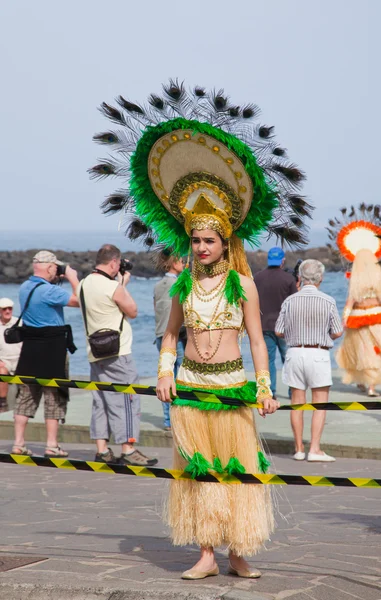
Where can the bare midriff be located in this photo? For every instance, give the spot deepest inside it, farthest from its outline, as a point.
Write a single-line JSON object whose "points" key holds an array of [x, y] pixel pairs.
{"points": [[207, 341], [366, 303]]}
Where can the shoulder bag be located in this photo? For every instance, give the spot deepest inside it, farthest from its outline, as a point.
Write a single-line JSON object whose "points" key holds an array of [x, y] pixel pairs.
{"points": [[15, 334], [103, 342]]}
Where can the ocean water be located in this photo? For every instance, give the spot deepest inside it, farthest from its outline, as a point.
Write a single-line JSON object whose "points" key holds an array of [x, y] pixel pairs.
{"points": [[143, 348]]}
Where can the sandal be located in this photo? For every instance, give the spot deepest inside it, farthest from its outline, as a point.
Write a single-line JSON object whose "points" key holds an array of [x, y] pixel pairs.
{"points": [[373, 394], [56, 452], [21, 451]]}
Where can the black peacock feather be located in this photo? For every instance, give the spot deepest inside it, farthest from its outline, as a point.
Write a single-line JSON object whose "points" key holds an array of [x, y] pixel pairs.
{"points": [[216, 109]]}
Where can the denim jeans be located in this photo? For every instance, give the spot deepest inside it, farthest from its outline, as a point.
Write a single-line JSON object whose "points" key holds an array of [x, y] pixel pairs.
{"points": [[179, 360], [273, 343]]}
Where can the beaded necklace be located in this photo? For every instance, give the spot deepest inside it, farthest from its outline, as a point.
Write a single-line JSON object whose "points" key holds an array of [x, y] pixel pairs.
{"points": [[208, 296]]}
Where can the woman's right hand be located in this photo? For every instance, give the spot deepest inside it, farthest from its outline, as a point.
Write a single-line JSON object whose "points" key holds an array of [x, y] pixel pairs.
{"points": [[165, 386]]}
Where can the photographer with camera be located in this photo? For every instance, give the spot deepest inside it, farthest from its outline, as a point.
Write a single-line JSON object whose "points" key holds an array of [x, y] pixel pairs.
{"points": [[46, 340], [105, 304]]}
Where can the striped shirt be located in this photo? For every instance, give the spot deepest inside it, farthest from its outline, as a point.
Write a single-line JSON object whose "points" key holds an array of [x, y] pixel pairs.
{"points": [[308, 317]]}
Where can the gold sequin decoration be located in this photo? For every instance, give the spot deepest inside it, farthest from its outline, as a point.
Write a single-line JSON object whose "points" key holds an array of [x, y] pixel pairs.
{"points": [[174, 138], [194, 181]]}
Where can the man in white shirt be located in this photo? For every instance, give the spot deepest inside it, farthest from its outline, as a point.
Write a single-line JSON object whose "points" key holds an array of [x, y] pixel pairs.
{"points": [[309, 322], [106, 303], [9, 353]]}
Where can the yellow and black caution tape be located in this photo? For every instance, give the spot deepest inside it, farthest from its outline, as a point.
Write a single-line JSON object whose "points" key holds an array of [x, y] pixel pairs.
{"points": [[159, 473], [195, 395]]}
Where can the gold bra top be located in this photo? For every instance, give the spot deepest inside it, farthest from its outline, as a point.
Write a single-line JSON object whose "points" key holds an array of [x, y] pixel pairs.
{"points": [[212, 314]]}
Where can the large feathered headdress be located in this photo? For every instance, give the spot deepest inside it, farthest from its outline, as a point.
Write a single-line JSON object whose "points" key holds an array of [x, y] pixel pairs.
{"points": [[194, 160], [357, 229]]}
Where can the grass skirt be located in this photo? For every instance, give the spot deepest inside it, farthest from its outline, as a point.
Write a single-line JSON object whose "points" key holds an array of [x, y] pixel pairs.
{"points": [[213, 514], [360, 355]]}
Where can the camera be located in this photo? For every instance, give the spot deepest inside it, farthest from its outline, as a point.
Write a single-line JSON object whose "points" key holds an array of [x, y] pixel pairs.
{"points": [[296, 269], [61, 270], [125, 266]]}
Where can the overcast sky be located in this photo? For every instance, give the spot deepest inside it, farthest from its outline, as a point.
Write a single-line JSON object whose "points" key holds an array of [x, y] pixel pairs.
{"points": [[312, 66]]}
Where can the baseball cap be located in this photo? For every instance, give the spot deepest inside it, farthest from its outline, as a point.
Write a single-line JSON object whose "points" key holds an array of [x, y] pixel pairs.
{"points": [[45, 256], [6, 303], [275, 256]]}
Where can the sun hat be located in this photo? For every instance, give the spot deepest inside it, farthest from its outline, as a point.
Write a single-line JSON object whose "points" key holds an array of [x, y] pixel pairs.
{"points": [[6, 303]]}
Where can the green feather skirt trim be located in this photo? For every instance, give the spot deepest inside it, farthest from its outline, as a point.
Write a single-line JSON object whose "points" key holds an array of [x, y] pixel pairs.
{"points": [[199, 466], [246, 392]]}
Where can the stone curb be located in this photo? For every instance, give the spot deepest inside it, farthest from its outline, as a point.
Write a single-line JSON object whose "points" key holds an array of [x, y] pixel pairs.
{"points": [[79, 434], [26, 591]]}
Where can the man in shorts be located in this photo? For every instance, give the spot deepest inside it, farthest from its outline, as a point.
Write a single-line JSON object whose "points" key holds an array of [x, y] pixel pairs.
{"points": [[44, 349], [9, 353], [309, 322]]}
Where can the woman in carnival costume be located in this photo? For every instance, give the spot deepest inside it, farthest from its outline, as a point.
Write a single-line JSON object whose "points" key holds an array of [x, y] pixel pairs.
{"points": [[202, 179], [358, 240]]}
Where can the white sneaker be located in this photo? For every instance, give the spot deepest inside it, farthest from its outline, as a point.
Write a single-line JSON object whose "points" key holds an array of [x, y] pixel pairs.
{"points": [[320, 457], [299, 456]]}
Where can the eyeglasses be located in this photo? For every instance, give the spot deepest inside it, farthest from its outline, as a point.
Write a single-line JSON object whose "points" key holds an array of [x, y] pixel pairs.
{"points": [[7, 308]]}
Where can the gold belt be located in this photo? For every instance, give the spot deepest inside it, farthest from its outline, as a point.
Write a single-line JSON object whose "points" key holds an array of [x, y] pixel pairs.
{"points": [[228, 366]]}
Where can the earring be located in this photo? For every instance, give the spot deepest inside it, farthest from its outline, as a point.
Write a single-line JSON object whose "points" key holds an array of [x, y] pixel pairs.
{"points": [[188, 257]]}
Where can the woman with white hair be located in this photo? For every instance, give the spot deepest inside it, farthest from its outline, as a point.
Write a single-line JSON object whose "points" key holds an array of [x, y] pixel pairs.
{"points": [[309, 322]]}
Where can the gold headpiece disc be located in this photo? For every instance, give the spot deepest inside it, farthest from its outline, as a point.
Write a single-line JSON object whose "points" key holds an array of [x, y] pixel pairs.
{"points": [[200, 181]]}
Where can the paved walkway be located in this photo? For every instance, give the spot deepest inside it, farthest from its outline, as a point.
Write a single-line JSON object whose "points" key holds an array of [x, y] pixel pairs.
{"points": [[104, 539], [347, 434]]}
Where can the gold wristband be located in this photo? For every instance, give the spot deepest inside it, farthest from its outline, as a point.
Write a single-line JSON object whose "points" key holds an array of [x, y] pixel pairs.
{"points": [[346, 312], [167, 361], [263, 385], [170, 350]]}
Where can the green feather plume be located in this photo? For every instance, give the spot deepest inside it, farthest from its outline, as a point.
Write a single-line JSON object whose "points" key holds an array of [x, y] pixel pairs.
{"points": [[234, 466], [183, 286], [263, 463], [198, 466], [234, 291], [152, 212]]}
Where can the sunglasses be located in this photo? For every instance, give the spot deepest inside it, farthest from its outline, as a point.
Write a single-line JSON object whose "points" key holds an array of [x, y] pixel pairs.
{"points": [[8, 308]]}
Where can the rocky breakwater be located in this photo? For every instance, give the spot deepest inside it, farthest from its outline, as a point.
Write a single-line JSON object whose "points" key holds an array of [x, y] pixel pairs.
{"points": [[16, 266]]}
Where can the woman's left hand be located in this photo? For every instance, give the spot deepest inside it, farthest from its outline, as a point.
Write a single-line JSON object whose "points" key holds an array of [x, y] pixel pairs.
{"points": [[269, 407]]}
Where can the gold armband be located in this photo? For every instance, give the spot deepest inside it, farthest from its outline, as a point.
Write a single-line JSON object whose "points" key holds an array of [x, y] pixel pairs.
{"points": [[167, 361], [263, 385]]}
